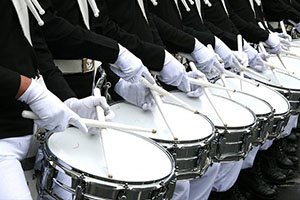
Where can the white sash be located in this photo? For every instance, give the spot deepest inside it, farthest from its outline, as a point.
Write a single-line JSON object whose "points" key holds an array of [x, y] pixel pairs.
{"points": [[198, 5], [22, 12], [141, 4], [83, 5], [176, 3], [224, 5], [252, 6]]}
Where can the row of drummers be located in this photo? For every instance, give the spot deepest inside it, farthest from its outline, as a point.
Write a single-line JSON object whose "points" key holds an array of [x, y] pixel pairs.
{"points": [[238, 115]]}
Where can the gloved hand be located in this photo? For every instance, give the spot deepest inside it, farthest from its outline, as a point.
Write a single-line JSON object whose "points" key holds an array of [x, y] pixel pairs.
{"points": [[254, 58], [131, 67], [135, 93], [173, 73], [196, 90], [242, 58], [284, 36], [54, 115], [225, 53], [274, 45], [205, 58], [297, 27], [86, 108]]}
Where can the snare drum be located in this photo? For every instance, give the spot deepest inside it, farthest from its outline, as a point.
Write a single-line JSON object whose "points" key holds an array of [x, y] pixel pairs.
{"points": [[233, 142], [140, 168], [278, 102], [290, 87], [194, 132], [263, 111]]}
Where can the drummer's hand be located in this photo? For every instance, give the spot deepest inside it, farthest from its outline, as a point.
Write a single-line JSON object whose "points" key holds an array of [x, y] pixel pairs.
{"points": [[273, 44], [205, 58], [54, 115], [196, 90], [135, 93], [173, 73], [284, 36], [131, 67], [86, 108], [225, 53], [254, 58]]}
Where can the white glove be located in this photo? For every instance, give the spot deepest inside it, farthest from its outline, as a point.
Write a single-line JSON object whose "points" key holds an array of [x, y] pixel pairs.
{"points": [[284, 36], [254, 58], [196, 90], [241, 57], [135, 93], [173, 73], [131, 67], [297, 27], [54, 115], [205, 59], [225, 53], [86, 108], [274, 45]]}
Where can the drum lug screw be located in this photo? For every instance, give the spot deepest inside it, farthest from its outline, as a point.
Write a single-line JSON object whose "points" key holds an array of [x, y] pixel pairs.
{"points": [[123, 197]]}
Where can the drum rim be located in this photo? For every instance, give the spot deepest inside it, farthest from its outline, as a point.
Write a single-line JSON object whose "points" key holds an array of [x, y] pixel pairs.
{"points": [[229, 127], [276, 86], [60, 162], [273, 90], [212, 135]]}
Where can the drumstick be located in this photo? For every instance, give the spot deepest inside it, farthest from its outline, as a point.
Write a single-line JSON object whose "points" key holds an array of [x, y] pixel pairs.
{"points": [[272, 69], [159, 104], [95, 123], [164, 92], [207, 94], [291, 53], [277, 68], [101, 118], [224, 81], [240, 51], [207, 84], [241, 78]]}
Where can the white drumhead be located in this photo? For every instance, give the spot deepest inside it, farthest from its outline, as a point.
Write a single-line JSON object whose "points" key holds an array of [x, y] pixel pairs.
{"points": [[129, 158], [258, 106], [233, 114], [277, 101], [185, 124], [286, 80]]}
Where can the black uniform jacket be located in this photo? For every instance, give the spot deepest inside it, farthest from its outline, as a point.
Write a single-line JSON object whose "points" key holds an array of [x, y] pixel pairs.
{"points": [[277, 10], [17, 57], [217, 15], [192, 19], [152, 55], [294, 3], [169, 12], [129, 16], [243, 9]]}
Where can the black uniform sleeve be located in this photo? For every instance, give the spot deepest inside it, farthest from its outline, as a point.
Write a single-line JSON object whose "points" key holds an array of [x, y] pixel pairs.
{"points": [[174, 39], [53, 77], [204, 37], [276, 10], [67, 41], [9, 83], [251, 32], [152, 55]]}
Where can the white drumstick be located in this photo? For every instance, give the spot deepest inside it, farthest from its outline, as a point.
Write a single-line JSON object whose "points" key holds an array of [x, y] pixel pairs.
{"points": [[160, 105], [34, 12], [207, 84], [164, 92], [272, 66], [95, 123], [224, 81], [240, 51], [101, 118], [208, 96], [291, 53], [94, 7], [241, 78]]}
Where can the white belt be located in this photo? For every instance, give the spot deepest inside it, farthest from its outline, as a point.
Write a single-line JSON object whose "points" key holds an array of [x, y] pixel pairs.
{"points": [[76, 66]]}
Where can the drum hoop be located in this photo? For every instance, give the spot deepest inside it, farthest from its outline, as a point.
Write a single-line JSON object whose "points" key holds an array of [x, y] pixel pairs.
{"points": [[77, 171], [238, 127], [179, 141], [276, 86], [270, 88]]}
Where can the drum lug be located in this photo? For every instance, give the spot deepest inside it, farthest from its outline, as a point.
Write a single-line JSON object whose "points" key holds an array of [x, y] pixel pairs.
{"points": [[41, 135], [80, 188]]}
